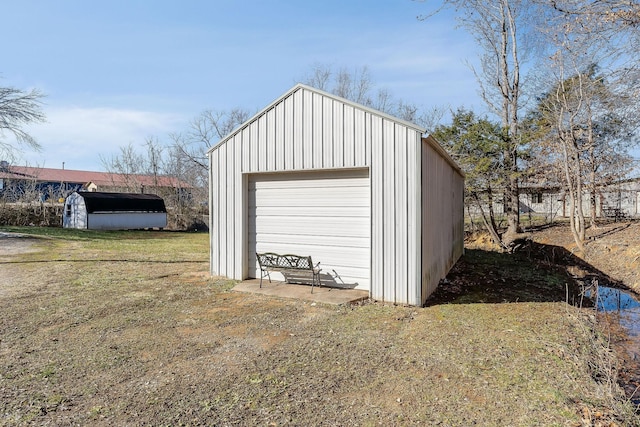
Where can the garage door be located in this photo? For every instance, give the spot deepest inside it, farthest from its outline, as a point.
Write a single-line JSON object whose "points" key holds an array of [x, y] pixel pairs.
{"points": [[323, 214]]}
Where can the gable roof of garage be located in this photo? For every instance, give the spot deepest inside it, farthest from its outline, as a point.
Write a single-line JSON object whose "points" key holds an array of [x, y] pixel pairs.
{"points": [[300, 86]]}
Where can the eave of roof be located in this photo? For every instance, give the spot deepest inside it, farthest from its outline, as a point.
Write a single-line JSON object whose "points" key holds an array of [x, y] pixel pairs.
{"points": [[436, 146]]}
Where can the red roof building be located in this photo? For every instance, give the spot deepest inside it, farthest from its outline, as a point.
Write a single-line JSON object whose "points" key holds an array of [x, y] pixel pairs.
{"points": [[49, 182], [99, 179]]}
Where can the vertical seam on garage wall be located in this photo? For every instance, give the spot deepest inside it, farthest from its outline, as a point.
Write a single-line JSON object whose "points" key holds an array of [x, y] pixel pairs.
{"points": [[210, 192], [377, 212], [283, 133], [243, 218], [218, 219], [278, 136], [244, 210], [231, 202], [268, 143], [223, 210], [342, 160], [297, 132], [408, 236], [354, 139], [367, 139], [371, 204]]}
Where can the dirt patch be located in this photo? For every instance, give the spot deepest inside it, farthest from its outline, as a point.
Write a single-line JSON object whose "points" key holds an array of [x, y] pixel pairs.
{"points": [[116, 329], [14, 244], [612, 248]]}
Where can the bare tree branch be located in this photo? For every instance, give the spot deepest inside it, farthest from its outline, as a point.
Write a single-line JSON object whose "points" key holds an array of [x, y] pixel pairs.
{"points": [[496, 26], [17, 110]]}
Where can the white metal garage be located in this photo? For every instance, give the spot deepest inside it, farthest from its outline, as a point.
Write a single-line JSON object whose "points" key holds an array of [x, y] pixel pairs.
{"points": [[362, 192], [322, 214]]}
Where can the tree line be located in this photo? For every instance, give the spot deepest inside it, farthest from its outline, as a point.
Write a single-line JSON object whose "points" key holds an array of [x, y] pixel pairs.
{"points": [[562, 79]]}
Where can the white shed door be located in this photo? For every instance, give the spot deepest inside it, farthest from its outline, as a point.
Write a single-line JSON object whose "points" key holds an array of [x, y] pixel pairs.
{"points": [[322, 214]]}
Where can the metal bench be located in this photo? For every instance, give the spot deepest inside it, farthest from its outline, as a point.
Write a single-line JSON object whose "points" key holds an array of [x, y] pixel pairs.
{"points": [[270, 261]]}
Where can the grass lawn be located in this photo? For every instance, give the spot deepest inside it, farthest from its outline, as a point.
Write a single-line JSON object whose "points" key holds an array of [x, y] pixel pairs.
{"points": [[126, 328]]}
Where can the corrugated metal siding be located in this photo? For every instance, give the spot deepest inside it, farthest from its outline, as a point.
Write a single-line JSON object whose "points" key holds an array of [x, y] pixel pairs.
{"points": [[442, 218], [309, 130], [396, 226], [305, 131], [126, 220]]}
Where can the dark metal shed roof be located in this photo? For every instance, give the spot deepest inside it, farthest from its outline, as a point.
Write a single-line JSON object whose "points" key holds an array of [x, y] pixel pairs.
{"points": [[122, 202]]}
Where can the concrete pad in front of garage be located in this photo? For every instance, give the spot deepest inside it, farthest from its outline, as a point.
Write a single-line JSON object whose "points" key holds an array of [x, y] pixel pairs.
{"points": [[321, 294]]}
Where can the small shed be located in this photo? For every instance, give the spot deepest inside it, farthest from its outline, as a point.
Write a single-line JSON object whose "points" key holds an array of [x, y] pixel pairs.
{"points": [[365, 194], [113, 211]]}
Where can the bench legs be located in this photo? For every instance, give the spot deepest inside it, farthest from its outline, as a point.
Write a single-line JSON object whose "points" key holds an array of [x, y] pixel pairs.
{"points": [[264, 273], [315, 277], [315, 280]]}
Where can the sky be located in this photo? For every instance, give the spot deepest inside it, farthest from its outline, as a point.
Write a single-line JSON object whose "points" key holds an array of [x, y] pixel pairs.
{"points": [[121, 71]]}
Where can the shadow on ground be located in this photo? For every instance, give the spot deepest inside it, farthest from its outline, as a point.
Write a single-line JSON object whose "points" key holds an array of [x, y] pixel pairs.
{"points": [[535, 273]]}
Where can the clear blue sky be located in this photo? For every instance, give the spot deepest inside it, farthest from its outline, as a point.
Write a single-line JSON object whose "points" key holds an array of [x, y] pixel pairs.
{"points": [[116, 72]]}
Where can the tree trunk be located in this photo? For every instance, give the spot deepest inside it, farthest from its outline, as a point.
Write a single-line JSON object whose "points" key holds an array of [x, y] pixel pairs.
{"points": [[592, 169], [578, 211], [489, 223], [492, 214], [576, 217], [510, 88], [593, 198]]}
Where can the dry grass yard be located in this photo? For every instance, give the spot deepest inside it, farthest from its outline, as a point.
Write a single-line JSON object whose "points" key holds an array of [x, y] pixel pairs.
{"points": [[126, 329]]}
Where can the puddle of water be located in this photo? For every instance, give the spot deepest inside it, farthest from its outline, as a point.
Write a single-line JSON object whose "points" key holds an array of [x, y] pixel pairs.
{"points": [[622, 312], [624, 305], [611, 299]]}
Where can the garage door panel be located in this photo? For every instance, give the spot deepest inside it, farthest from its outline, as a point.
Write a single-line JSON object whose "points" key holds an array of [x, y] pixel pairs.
{"points": [[311, 241], [317, 179], [284, 199], [310, 185], [344, 264], [322, 214], [322, 211], [310, 226]]}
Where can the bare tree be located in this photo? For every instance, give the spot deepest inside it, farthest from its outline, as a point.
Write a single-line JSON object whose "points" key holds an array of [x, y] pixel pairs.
{"points": [[126, 165], [588, 108], [154, 164], [179, 166], [18, 109], [500, 28], [383, 101], [355, 85], [173, 177], [205, 131], [319, 77], [358, 86], [184, 160], [601, 15], [575, 127]]}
